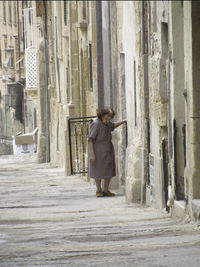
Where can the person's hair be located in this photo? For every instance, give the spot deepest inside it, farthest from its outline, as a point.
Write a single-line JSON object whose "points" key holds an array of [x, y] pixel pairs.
{"points": [[105, 111]]}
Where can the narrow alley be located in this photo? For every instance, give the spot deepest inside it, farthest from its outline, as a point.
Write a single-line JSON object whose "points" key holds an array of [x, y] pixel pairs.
{"points": [[48, 219]]}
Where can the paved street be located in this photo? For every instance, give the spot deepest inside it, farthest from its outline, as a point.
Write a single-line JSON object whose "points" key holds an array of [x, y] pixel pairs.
{"points": [[47, 219]]}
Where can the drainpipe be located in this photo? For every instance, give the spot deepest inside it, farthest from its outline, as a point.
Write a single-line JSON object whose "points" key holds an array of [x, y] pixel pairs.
{"points": [[46, 81], [146, 138]]}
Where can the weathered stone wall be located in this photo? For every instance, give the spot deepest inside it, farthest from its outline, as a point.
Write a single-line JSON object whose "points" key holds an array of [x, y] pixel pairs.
{"points": [[177, 100], [191, 67], [158, 97], [70, 94], [126, 99]]}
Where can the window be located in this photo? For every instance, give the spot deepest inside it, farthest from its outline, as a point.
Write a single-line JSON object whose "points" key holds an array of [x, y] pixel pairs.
{"points": [[26, 116], [25, 4], [30, 17], [16, 48], [135, 93], [28, 27], [10, 13], [35, 119], [0, 60], [68, 86], [15, 13], [0, 55], [84, 9], [11, 41], [65, 12], [9, 61], [5, 41], [22, 65], [57, 145], [4, 12], [57, 60], [90, 59], [123, 84], [25, 39]]}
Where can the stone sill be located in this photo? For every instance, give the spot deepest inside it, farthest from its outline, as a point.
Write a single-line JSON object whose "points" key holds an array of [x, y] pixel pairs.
{"points": [[82, 25]]}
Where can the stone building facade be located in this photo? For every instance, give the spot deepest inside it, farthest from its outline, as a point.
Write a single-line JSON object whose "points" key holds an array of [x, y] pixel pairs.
{"points": [[150, 76], [141, 59], [16, 107], [11, 93], [66, 73]]}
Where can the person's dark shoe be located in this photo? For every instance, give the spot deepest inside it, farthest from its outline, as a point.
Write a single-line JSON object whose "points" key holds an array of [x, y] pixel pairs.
{"points": [[108, 194]]}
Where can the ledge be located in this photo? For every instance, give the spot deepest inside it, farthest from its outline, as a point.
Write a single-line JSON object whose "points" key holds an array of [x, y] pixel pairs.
{"points": [[82, 25]]}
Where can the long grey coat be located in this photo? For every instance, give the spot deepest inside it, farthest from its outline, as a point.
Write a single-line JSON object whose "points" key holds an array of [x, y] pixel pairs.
{"points": [[104, 166]]}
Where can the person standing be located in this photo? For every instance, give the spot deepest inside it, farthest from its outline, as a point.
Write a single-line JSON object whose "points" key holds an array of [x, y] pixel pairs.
{"points": [[101, 155]]}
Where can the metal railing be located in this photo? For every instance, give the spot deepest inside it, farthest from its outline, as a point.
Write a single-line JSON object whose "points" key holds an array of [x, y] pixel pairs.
{"points": [[78, 145], [78, 129]]}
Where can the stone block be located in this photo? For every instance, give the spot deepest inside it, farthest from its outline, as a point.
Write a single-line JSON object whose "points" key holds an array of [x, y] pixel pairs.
{"points": [[194, 130], [195, 155], [196, 209], [179, 209], [156, 193], [133, 189], [134, 163], [114, 183], [42, 149]]}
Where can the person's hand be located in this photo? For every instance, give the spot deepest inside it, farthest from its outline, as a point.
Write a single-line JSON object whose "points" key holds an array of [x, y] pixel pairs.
{"points": [[124, 121], [92, 158]]}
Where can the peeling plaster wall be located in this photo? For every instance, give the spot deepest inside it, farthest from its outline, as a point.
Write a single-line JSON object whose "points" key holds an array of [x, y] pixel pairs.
{"points": [[129, 46]]}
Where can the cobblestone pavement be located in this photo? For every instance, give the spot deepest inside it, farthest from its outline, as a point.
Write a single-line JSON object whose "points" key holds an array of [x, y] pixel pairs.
{"points": [[47, 219]]}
